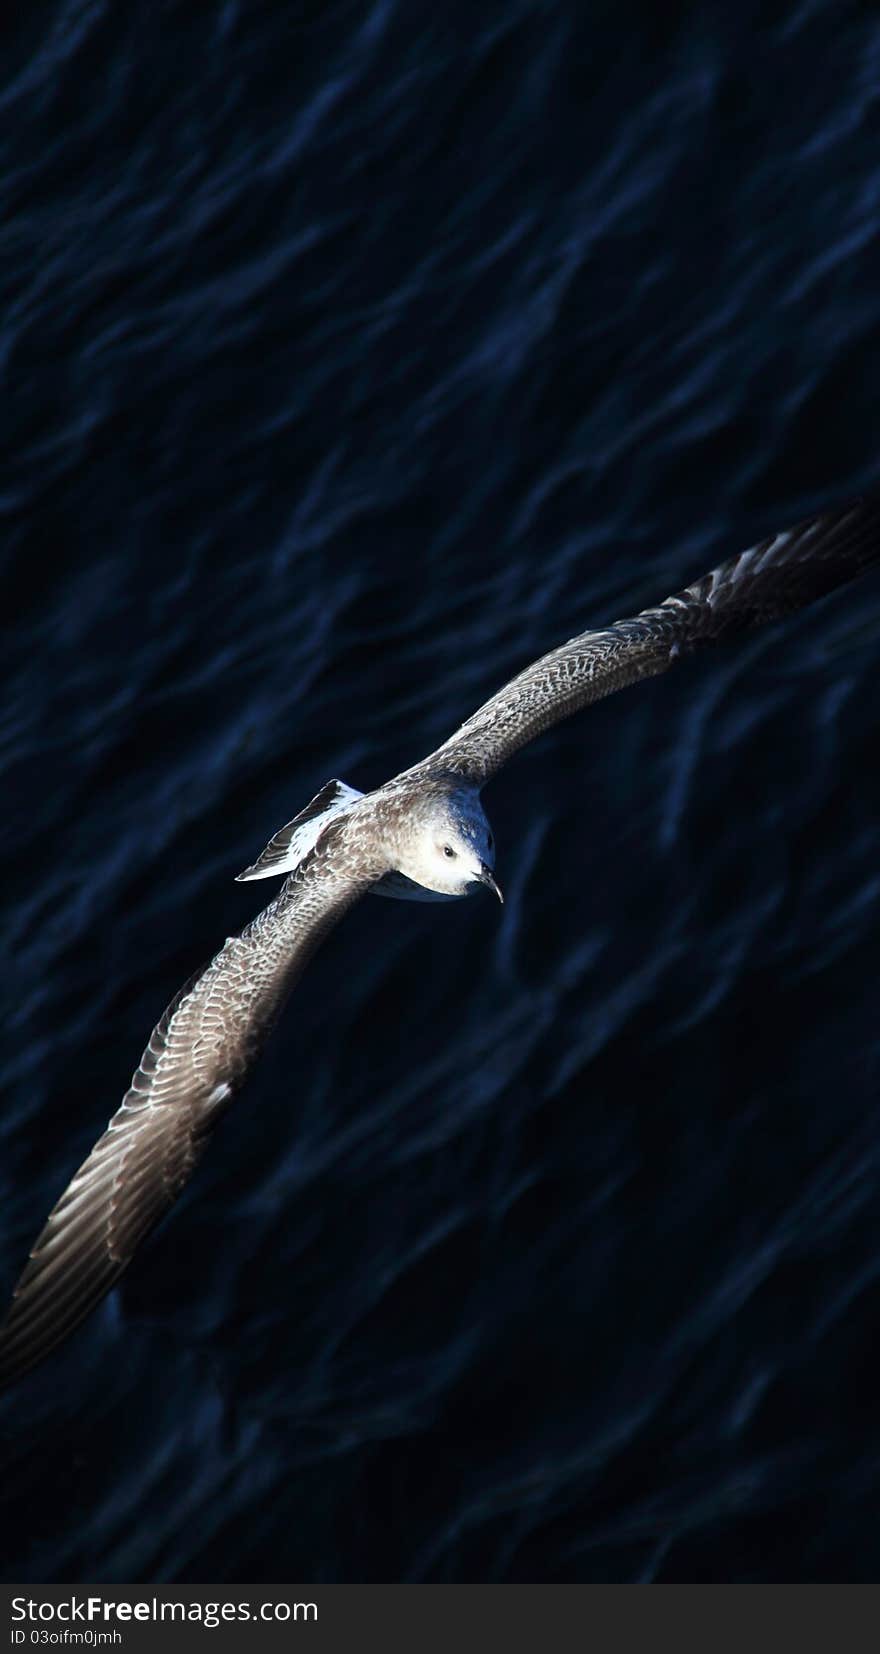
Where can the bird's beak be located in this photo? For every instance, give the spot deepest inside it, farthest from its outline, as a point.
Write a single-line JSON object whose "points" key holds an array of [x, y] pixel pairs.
{"points": [[487, 877]]}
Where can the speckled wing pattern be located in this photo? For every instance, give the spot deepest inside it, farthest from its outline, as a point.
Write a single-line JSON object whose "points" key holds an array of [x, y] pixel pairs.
{"points": [[764, 583], [197, 1058]]}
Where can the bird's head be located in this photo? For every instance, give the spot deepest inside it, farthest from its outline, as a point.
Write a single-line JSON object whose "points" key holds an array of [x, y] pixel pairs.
{"points": [[448, 846]]}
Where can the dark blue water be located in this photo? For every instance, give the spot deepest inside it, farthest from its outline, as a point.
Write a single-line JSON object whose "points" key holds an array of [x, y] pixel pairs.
{"points": [[353, 354]]}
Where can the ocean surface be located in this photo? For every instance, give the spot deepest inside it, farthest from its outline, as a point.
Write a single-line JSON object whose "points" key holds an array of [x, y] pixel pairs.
{"points": [[353, 354]]}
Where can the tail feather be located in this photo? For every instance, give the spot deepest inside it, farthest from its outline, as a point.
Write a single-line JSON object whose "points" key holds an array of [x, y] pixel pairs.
{"points": [[292, 842]]}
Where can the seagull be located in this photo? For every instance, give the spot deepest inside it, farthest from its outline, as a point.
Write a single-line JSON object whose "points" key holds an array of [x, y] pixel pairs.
{"points": [[423, 835]]}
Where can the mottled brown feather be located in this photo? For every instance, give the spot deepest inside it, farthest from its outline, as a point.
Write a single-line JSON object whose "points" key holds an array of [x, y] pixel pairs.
{"points": [[771, 579], [207, 1039]]}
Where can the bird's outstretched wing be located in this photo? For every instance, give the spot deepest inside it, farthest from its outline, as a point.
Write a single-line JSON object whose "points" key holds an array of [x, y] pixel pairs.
{"points": [[767, 581], [197, 1058]]}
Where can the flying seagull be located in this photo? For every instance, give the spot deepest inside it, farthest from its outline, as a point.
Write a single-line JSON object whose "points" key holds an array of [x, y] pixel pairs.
{"points": [[422, 835]]}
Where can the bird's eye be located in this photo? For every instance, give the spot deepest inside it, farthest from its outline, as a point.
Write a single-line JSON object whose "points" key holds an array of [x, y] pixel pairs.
{"points": [[448, 850]]}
